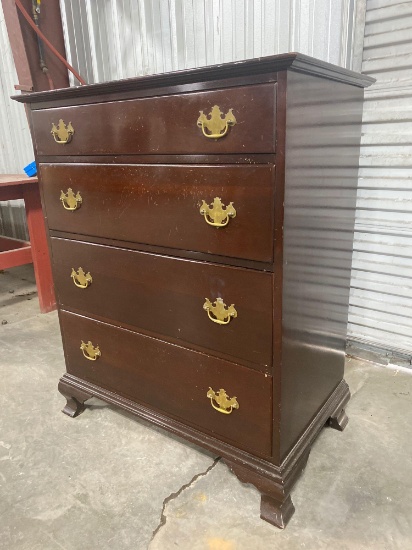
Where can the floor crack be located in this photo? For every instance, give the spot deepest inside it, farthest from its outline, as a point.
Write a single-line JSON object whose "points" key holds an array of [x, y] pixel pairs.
{"points": [[172, 496]]}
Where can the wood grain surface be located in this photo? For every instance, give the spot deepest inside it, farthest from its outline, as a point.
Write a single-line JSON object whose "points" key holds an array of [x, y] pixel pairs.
{"points": [[160, 205], [174, 380], [162, 125], [165, 296]]}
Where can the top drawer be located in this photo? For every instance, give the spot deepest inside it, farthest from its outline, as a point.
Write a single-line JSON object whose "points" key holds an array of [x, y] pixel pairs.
{"points": [[170, 124]]}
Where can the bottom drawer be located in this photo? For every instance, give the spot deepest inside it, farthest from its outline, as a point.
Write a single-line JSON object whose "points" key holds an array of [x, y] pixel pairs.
{"points": [[174, 380]]}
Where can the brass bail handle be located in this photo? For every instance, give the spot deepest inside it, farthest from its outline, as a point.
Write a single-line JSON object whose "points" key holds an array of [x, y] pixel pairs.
{"points": [[62, 133], [215, 125], [218, 312], [80, 278], [70, 201], [216, 214], [221, 402], [89, 351]]}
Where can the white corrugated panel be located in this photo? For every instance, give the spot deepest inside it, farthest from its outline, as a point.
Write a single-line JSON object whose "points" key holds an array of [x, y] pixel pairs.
{"points": [[16, 149], [381, 296], [114, 39]]}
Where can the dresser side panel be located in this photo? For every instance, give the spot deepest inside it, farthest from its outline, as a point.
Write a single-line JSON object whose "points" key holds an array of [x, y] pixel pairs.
{"points": [[323, 128]]}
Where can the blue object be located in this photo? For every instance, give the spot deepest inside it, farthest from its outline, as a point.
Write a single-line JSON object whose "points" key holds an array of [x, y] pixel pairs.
{"points": [[31, 169]]}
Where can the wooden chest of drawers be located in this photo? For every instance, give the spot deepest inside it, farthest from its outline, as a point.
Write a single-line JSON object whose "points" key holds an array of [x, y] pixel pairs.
{"points": [[201, 228]]}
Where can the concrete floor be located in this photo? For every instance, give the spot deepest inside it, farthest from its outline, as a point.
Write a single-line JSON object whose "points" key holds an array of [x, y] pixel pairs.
{"points": [[105, 480]]}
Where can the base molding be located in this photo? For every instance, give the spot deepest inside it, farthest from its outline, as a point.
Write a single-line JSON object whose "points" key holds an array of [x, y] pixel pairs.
{"points": [[274, 482]]}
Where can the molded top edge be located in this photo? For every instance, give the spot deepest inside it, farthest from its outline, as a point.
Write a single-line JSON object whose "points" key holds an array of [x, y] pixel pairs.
{"points": [[292, 61]]}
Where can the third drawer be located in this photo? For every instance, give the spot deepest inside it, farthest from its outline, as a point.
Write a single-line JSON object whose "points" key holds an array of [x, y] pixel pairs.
{"points": [[167, 297]]}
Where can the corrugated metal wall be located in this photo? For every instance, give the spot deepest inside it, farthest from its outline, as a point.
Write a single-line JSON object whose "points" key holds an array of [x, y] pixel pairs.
{"points": [[113, 39], [381, 298], [16, 150]]}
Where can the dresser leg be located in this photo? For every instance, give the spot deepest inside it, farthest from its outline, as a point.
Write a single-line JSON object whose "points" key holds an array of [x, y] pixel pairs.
{"points": [[275, 512], [75, 399], [276, 507], [339, 420]]}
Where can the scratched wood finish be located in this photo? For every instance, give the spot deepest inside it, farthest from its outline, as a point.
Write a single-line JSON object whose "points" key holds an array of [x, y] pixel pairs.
{"points": [[292, 338], [173, 379], [166, 296], [164, 204], [237, 73], [161, 125]]}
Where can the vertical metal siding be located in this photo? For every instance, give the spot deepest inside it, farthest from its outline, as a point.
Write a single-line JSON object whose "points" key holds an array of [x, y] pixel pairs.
{"points": [[125, 38], [113, 39], [381, 296], [16, 149]]}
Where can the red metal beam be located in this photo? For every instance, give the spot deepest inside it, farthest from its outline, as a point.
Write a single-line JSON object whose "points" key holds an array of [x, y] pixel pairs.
{"points": [[8, 243], [25, 48], [12, 185], [14, 258], [38, 240]]}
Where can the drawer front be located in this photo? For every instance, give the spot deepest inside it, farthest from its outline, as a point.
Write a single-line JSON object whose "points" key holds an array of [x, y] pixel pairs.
{"points": [[173, 380], [163, 125], [161, 205], [166, 296]]}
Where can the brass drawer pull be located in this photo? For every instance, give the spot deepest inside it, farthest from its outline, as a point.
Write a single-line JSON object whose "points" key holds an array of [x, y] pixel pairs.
{"points": [[224, 404], [216, 214], [62, 134], [71, 201], [216, 125], [80, 278], [89, 351], [219, 313]]}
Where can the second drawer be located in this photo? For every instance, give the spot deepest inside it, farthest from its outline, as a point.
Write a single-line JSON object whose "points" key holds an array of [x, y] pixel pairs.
{"points": [[160, 205], [179, 299]]}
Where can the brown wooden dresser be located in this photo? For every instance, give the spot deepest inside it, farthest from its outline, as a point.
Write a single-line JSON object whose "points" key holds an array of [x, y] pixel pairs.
{"points": [[200, 225]]}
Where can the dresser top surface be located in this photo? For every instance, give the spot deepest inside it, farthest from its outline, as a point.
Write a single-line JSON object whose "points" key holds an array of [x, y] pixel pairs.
{"points": [[238, 69]]}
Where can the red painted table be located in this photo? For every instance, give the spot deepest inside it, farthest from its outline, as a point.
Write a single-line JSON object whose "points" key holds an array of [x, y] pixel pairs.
{"points": [[14, 252]]}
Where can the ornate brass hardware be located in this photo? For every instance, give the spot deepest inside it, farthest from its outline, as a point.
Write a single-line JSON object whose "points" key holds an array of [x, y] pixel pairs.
{"points": [[219, 313], [62, 134], [71, 201], [216, 214], [89, 351], [224, 404], [80, 278], [215, 123]]}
